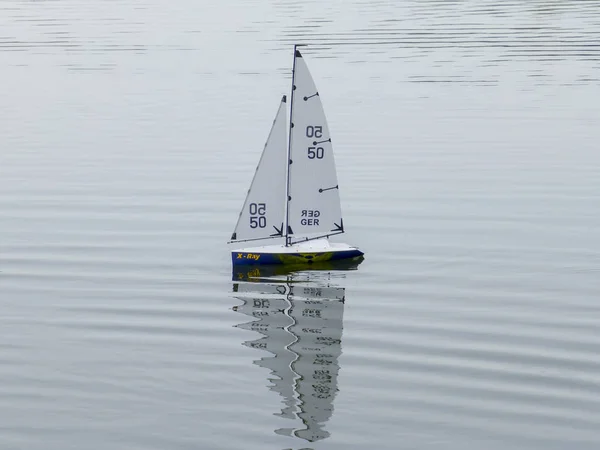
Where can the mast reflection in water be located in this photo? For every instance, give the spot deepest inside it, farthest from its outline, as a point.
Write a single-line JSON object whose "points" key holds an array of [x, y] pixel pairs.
{"points": [[301, 327]]}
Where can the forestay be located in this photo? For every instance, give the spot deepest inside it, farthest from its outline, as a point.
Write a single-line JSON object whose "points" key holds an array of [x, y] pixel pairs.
{"points": [[264, 209], [314, 203]]}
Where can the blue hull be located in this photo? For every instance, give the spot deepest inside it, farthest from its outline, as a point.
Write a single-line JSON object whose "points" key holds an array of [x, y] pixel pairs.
{"points": [[258, 258], [258, 272]]}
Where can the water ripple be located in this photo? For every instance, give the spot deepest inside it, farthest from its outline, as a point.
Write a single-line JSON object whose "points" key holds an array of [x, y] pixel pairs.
{"points": [[466, 141]]}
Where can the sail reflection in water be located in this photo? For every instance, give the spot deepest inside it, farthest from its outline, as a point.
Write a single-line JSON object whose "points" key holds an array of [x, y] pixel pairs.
{"points": [[302, 329]]}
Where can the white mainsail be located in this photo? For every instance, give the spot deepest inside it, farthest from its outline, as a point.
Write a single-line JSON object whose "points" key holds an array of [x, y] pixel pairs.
{"points": [[262, 215], [314, 200]]}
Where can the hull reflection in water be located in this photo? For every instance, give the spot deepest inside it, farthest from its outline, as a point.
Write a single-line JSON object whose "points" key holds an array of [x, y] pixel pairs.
{"points": [[301, 327], [291, 272]]}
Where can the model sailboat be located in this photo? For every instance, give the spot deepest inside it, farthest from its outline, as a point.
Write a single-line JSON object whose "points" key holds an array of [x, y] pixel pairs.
{"points": [[294, 194]]}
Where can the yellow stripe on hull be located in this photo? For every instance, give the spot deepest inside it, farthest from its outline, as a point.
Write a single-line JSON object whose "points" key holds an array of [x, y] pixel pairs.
{"points": [[299, 258]]}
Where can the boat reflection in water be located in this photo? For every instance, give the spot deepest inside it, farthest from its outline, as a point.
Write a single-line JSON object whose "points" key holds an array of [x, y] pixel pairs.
{"points": [[312, 273], [300, 318]]}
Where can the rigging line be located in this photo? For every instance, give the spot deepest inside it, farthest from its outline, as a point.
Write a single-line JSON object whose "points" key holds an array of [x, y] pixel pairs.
{"points": [[254, 239], [289, 151], [319, 237]]}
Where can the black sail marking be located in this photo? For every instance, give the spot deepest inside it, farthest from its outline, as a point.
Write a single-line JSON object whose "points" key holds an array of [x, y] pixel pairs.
{"points": [[311, 96], [279, 231], [328, 189], [320, 142], [339, 227]]}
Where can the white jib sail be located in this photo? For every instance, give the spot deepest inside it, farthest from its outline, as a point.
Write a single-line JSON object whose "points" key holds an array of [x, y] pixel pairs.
{"points": [[314, 208], [264, 208]]}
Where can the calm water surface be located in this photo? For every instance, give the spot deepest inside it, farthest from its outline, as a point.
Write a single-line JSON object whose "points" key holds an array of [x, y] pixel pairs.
{"points": [[466, 138]]}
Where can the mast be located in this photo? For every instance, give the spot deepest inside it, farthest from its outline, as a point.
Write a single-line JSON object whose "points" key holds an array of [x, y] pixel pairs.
{"points": [[288, 240]]}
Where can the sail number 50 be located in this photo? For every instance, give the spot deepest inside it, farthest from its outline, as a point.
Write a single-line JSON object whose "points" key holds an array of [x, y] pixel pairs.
{"points": [[314, 131], [316, 152], [257, 215]]}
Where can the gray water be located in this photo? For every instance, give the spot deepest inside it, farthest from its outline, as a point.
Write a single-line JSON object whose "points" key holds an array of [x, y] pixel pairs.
{"points": [[466, 138]]}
